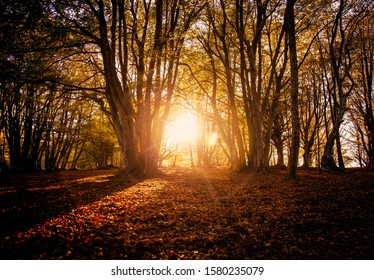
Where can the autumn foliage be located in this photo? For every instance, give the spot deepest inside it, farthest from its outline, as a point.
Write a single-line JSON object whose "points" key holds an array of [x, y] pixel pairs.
{"points": [[188, 213]]}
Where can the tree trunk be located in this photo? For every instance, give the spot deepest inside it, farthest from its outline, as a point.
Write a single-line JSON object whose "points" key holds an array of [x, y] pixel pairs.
{"points": [[238, 151], [295, 138], [328, 162], [341, 64], [339, 152]]}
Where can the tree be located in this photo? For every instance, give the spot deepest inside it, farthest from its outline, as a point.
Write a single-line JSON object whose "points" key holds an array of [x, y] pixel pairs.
{"points": [[251, 75], [99, 142], [289, 20], [362, 98], [235, 63], [340, 46], [310, 111], [220, 55], [28, 71], [140, 45]]}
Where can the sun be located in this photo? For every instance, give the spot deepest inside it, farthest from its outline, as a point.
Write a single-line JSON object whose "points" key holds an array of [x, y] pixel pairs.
{"points": [[183, 129]]}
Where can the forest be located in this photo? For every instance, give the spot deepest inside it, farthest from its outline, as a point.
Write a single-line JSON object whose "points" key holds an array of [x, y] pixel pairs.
{"points": [[92, 85], [105, 104]]}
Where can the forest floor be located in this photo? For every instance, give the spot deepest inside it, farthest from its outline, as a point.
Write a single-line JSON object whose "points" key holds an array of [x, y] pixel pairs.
{"points": [[188, 213]]}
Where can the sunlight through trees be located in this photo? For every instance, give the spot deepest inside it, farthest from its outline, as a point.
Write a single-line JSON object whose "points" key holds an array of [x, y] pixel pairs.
{"points": [[145, 84]]}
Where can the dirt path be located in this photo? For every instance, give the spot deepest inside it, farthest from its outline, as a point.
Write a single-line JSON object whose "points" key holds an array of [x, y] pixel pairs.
{"points": [[187, 214]]}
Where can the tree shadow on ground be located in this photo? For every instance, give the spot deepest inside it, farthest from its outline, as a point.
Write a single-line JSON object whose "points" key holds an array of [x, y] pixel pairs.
{"points": [[196, 214], [32, 198]]}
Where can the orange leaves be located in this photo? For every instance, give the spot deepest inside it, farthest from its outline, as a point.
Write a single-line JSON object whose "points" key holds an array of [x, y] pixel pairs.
{"points": [[208, 215]]}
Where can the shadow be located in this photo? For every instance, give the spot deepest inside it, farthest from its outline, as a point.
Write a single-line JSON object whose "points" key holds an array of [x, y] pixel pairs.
{"points": [[190, 214], [32, 198]]}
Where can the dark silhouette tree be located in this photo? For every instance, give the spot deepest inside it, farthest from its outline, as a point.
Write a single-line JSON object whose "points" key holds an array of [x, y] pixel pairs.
{"points": [[289, 21]]}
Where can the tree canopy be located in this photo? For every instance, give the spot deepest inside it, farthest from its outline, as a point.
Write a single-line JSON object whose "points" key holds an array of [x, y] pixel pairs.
{"points": [[92, 84]]}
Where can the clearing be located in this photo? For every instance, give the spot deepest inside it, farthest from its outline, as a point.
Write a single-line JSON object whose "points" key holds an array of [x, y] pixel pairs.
{"points": [[188, 213]]}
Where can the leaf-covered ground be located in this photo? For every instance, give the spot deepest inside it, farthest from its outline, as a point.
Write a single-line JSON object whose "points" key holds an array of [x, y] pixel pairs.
{"points": [[187, 214]]}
